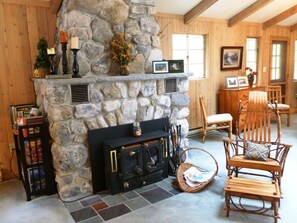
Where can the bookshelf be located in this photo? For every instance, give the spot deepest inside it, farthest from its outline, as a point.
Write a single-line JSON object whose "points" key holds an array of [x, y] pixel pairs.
{"points": [[34, 157]]}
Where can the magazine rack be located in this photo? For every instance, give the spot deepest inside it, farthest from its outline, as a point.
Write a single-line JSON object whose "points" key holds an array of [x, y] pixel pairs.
{"points": [[189, 158], [34, 158]]}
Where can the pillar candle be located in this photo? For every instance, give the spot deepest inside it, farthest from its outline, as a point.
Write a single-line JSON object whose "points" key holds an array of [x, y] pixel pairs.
{"points": [[51, 51], [74, 43], [63, 37]]}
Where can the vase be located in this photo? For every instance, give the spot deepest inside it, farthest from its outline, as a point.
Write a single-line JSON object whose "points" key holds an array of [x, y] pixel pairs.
{"points": [[124, 71], [251, 81]]}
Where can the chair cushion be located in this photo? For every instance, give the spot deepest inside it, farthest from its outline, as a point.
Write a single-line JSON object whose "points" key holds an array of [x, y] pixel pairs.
{"points": [[255, 151], [219, 118]]}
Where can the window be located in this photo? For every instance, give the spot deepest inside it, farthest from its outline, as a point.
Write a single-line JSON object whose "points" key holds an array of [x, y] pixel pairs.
{"points": [[191, 49], [252, 53], [295, 61], [276, 61]]}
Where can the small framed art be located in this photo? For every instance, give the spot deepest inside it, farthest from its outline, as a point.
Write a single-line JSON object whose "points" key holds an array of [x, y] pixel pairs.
{"points": [[231, 82], [231, 57], [176, 66], [242, 81], [160, 67]]}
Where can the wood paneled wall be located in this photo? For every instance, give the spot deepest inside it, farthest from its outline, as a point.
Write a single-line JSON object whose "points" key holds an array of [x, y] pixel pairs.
{"points": [[218, 34], [22, 23]]}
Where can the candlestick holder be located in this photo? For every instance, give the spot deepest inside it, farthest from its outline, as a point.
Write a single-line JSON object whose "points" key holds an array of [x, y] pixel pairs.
{"points": [[52, 64], [64, 58], [75, 66]]}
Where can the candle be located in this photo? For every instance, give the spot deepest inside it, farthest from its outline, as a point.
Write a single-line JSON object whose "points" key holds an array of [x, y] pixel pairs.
{"points": [[51, 51], [63, 37], [74, 43]]}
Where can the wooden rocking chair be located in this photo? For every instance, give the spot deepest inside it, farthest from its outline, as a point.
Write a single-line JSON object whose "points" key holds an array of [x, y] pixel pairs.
{"points": [[257, 113]]}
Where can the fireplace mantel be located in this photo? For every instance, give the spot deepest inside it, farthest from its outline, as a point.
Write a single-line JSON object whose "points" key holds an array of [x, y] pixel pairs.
{"points": [[107, 78]]}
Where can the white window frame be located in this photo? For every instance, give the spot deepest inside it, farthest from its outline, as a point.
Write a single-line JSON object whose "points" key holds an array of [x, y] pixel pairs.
{"points": [[251, 49], [187, 59]]}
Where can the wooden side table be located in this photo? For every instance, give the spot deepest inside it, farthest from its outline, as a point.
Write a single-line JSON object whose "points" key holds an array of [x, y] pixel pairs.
{"points": [[265, 191]]}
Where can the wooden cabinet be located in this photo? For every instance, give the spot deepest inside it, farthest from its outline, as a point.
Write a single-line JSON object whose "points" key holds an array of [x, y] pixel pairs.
{"points": [[229, 101]]}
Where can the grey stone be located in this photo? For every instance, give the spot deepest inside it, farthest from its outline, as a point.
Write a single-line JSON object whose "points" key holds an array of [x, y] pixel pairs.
{"points": [[143, 102], [69, 157], [164, 101], [156, 41], [57, 95], [87, 6], [154, 54], [143, 40], [86, 110], [79, 131], [129, 109], [182, 85], [115, 90], [77, 19], [111, 119], [158, 112], [148, 24], [92, 50], [144, 2], [91, 123], [95, 96], [101, 122], [102, 31], [133, 89], [183, 113], [138, 10], [115, 11], [184, 127], [101, 65], [151, 10], [180, 99], [132, 27], [60, 131], [60, 113], [111, 105], [161, 87], [148, 88], [137, 66], [145, 113]]}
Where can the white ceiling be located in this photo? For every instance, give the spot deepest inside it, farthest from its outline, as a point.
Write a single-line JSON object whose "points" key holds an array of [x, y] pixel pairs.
{"points": [[226, 9]]}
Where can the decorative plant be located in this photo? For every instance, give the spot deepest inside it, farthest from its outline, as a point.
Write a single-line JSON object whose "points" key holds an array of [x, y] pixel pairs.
{"points": [[122, 50], [42, 60], [250, 73]]}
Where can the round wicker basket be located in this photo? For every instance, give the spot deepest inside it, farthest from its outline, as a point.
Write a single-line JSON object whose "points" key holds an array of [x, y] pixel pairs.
{"points": [[185, 166]]}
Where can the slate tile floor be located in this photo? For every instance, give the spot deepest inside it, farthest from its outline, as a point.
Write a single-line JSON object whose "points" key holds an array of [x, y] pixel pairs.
{"points": [[103, 206]]}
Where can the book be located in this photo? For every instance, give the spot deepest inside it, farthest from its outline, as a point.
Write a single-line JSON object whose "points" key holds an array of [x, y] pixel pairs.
{"points": [[33, 151], [36, 177]]}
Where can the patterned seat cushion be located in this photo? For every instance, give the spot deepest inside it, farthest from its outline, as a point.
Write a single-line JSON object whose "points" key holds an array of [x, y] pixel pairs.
{"points": [[256, 151]]}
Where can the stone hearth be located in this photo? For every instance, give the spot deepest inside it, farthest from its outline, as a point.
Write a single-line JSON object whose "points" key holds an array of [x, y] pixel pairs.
{"points": [[110, 101]]}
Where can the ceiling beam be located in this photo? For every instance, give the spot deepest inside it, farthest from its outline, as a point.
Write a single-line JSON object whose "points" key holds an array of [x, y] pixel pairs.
{"points": [[280, 17], [293, 27], [197, 10], [40, 3], [55, 6], [247, 11]]}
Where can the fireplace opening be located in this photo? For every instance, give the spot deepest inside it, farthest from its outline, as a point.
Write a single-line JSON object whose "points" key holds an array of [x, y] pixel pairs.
{"points": [[122, 162]]}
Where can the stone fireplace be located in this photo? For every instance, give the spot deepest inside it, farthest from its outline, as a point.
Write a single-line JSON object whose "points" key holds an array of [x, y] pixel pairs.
{"points": [[101, 99]]}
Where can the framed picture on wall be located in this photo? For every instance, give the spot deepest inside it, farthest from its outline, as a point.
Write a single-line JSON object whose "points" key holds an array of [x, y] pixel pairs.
{"points": [[231, 82], [231, 57], [160, 67], [242, 81]]}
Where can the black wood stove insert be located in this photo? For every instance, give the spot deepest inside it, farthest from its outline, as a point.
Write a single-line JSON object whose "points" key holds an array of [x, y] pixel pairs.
{"points": [[132, 162], [121, 162]]}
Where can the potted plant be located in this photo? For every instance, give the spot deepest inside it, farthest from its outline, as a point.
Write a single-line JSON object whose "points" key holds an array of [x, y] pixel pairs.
{"points": [[42, 62]]}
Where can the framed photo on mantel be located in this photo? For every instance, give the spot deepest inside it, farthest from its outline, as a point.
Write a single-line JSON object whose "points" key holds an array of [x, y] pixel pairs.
{"points": [[176, 66]]}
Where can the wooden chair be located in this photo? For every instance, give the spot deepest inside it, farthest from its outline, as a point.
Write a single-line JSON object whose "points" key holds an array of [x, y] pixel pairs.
{"points": [[214, 122], [257, 113], [274, 94]]}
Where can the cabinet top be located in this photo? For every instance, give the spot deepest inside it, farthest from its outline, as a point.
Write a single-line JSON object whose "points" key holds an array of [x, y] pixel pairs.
{"points": [[244, 88]]}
